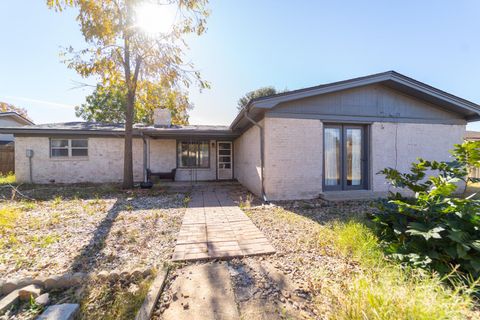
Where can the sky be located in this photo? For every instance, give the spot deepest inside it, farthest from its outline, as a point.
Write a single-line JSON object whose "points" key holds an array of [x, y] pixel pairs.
{"points": [[255, 43]]}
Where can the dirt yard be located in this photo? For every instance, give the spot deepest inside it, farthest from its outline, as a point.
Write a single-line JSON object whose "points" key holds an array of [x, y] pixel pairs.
{"points": [[55, 230]]}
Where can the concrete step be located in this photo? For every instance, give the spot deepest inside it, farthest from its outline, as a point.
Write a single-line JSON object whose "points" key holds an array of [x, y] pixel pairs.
{"points": [[345, 195]]}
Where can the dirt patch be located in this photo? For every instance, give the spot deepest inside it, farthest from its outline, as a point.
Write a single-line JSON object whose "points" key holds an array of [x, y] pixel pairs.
{"points": [[114, 230]]}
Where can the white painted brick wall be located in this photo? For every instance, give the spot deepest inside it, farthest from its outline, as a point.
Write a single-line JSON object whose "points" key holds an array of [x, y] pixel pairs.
{"points": [[293, 158], [247, 160], [398, 145], [103, 164], [163, 155]]}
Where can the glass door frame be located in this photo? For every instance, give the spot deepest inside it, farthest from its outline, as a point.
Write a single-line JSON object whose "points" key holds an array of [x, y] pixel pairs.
{"points": [[364, 172]]}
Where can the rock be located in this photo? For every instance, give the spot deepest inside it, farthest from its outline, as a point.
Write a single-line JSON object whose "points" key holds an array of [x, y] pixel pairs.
{"points": [[114, 275], [26, 293], [43, 300], [14, 284], [65, 281], [65, 311], [7, 302], [137, 273], [186, 305], [51, 282], [147, 272], [79, 278], [40, 281], [125, 274], [102, 275]]}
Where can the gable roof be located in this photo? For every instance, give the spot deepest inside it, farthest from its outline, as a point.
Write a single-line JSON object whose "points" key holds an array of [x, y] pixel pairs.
{"points": [[256, 107], [17, 117]]}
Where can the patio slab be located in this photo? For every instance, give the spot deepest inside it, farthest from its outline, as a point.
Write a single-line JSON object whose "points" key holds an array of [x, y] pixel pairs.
{"points": [[214, 227]]}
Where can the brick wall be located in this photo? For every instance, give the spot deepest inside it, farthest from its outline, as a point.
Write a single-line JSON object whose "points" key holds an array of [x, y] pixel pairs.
{"points": [[293, 158], [103, 164], [247, 160], [163, 155], [397, 145]]}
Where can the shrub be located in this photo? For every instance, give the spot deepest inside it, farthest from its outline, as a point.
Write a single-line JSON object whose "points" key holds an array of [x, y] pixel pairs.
{"points": [[8, 178], [433, 228]]}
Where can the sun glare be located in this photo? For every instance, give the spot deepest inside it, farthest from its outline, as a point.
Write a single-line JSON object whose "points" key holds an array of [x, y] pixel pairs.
{"points": [[155, 18]]}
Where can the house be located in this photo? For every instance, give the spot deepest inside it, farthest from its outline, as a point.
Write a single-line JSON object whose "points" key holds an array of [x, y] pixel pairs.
{"points": [[318, 141], [472, 135], [7, 148], [11, 119]]}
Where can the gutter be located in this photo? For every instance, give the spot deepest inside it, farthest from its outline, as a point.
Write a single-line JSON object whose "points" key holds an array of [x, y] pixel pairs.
{"points": [[262, 153]]}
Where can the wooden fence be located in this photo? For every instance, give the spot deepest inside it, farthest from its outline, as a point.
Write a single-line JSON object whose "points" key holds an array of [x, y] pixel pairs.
{"points": [[474, 173], [7, 158]]}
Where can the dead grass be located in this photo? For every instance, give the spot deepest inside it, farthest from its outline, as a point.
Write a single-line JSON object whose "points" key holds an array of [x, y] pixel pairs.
{"points": [[341, 263], [75, 230], [114, 300]]}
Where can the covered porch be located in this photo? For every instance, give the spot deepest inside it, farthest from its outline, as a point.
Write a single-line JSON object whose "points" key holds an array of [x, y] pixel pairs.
{"points": [[188, 153]]}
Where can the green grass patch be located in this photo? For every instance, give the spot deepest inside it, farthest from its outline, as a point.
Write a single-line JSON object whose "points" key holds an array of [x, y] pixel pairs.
{"points": [[387, 290], [8, 218], [377, 288]]}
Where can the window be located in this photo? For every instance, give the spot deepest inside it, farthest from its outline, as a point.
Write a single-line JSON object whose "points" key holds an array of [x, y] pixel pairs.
{"points": [[68, 148], [193, 154]]}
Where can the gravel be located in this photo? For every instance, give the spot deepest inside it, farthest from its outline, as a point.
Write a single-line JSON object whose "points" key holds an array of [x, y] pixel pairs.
{"points": [[114, 231]]}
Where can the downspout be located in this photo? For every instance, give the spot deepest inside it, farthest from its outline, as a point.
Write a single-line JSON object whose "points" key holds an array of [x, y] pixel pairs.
{"points": [[262, 153], [145, 155]]}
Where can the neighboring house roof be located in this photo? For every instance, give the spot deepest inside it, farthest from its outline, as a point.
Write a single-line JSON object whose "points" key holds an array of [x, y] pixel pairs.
{"points": [[96, 128], [257, 107], [17, 117], [472, 135]]}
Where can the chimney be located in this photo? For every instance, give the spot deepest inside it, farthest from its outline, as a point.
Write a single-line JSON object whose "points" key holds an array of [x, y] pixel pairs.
{"points": [[162, 118]]}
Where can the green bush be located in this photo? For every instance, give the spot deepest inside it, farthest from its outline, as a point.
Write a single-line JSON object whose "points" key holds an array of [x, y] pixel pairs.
{"points": [[433, 228]]}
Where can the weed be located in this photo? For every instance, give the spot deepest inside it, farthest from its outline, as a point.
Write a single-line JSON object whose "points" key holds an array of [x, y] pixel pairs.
{"points": [[379, 288], [54, 218], [114, 301], [8, 217], [56, 201], [247, 203], [27, 205], [44, 241], [9, 178], [186, 201]]}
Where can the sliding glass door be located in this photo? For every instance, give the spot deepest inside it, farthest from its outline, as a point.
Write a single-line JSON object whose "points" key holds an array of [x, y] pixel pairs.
{"points": [[345, 164]]}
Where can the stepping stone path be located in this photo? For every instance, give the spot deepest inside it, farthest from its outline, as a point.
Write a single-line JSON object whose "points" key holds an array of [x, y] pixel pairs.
{"points": [[64, 311], [214, 227]]}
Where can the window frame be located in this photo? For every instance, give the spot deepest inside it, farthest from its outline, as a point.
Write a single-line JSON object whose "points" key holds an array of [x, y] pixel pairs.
{"points": [[69, 149], [198, 144]]}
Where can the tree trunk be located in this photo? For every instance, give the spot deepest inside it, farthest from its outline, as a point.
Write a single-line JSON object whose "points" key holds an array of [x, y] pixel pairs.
{"points": [[128, 151]]}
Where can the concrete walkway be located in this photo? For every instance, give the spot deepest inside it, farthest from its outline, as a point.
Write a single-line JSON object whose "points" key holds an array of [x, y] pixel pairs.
{"points": [[202, 292], [214, 227]]}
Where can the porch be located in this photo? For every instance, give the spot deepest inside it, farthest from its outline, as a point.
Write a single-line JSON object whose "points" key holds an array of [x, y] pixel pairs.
{"points": [[188, 154]]}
